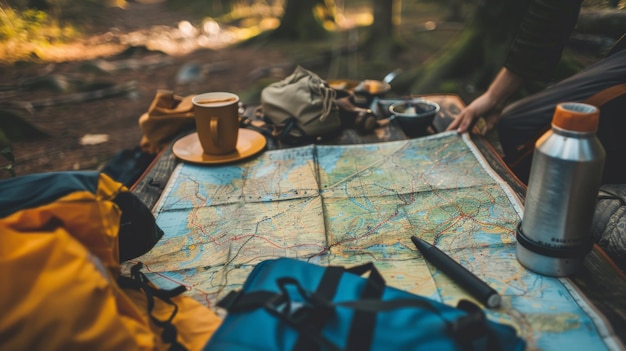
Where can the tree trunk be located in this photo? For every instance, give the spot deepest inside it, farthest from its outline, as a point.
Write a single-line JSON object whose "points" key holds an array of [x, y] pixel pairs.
{"points": [[383, 17], [478, 53], [222, 6], [380, 41], [454, 12], [304, 20]]}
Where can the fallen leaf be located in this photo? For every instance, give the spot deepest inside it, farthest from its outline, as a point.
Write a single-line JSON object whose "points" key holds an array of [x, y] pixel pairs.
{"points": [[94, 139]]}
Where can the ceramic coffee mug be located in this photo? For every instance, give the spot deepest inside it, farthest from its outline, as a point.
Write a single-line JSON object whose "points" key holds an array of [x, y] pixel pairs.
{"points": [[217, 122]]}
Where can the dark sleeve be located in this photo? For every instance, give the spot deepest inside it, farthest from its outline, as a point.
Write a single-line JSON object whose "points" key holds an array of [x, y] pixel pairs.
{"points": [[543, 33]]}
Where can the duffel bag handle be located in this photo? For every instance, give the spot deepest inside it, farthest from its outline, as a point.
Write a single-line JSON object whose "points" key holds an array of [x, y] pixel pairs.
{"points": [[310, 311], [375, 278], [362, 320], [365, 320]]}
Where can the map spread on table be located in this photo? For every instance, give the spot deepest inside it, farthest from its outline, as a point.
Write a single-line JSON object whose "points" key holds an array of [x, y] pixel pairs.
{"points": [[347, 205]]}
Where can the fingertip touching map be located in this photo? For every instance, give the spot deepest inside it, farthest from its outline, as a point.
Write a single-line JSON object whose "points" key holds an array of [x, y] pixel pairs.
{"points": [[346, 205]]}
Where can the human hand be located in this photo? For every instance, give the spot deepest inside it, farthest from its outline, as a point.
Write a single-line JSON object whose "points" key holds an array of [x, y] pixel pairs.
{"points": [[490, 104], [484, 106]]}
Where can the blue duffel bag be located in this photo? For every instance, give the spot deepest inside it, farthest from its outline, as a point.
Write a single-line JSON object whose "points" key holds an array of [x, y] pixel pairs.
{"points": [[288, 304]]}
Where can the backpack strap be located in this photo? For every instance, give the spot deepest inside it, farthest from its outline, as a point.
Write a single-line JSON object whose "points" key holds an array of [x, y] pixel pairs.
{"points": [[363, 323], [327, 288], [606, 95], [619, 45], [307, 317], [139, 281], [598, 99], [467, 328]]}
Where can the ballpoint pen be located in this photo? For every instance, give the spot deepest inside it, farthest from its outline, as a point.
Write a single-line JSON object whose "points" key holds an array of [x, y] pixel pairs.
{"points": [[459, 274]]}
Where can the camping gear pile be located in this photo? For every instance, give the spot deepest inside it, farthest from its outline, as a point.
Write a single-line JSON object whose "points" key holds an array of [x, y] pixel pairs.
{"points": [[63, 238]]}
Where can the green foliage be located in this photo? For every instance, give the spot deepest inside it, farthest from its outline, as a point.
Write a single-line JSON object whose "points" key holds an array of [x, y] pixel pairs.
{"points": [[28, 27], [70, 11], [24, 25], [23, 33]]}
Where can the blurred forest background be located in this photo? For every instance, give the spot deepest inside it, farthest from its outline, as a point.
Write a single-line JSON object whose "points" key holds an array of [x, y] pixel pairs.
{"points": [[75, 75]]}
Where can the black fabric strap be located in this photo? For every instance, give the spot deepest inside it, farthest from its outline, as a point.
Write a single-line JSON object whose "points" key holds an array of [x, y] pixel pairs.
{"points": [[470, 330], [326, 289], [377, 305], [169, 334], [238, 301], [291, 123], [306, 315], [364, 322]]}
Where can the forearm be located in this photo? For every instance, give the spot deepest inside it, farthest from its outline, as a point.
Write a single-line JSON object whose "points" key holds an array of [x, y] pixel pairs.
{"points": [[490, 104], [504, 86]]}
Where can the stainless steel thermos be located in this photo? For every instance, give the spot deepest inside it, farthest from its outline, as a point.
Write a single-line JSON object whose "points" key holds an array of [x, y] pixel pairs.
{"points": [[554, 234]]}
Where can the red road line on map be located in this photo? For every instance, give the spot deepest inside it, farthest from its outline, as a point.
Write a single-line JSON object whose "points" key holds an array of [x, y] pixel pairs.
{"points": [[369, 232], [271, 242], [199, 227], [187, 286], [454, 222]]}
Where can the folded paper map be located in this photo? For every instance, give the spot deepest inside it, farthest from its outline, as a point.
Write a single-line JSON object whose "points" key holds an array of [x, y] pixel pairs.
{"points": [[347, 205]]}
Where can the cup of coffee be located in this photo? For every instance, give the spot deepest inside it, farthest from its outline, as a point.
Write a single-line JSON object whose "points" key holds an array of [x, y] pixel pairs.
{"points": [[217, 122]]}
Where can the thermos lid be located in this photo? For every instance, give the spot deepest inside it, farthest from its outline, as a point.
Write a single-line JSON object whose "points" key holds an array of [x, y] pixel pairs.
{"points": [[576, 116]]}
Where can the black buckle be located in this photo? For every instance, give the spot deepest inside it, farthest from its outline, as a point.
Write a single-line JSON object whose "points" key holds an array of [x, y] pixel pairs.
{"points": [[294, 312], [297, 313], [471, 326], [277, 304]]}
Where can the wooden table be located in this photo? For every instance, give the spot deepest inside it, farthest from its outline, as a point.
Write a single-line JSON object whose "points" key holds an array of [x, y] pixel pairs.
{"points": [[600, 280]]}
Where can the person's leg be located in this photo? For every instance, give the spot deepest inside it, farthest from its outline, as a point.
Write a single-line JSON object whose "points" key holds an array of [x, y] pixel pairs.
{"points": [[524, 121]]}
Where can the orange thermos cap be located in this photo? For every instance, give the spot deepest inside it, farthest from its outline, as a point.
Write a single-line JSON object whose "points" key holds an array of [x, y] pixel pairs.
{"points": [[576, 117]]}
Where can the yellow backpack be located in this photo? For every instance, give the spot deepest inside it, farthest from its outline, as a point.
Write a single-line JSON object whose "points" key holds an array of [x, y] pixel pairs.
{"points": [[59, 271]]}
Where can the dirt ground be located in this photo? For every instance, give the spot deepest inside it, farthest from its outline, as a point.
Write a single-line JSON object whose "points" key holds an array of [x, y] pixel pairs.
{"points": [[68, 126], [146, 47], [139, 49]]}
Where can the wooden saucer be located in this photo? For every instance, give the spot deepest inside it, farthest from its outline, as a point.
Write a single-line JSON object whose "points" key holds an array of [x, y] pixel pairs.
{"points": [[249, 143]]}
